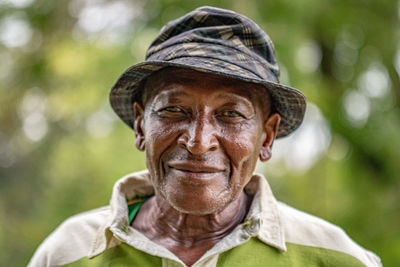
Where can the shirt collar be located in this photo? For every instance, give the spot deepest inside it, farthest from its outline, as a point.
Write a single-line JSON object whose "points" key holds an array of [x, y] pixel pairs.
{"points": [[263, 217], [271, 229]]}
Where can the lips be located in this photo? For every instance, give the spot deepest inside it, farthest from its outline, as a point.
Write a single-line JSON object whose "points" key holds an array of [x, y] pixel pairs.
{"points": [[194, 173], [195, 167]]}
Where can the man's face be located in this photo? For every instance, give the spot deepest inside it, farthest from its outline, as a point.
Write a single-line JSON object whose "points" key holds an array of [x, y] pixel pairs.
{"points": [[202, 135]]}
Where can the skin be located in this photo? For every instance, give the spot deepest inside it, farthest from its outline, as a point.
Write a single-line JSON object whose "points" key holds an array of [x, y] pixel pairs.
{"points": [[202, 134]]}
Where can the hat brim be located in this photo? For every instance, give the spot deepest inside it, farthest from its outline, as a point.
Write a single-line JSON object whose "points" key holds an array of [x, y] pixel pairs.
{"points": [[289, 102]]}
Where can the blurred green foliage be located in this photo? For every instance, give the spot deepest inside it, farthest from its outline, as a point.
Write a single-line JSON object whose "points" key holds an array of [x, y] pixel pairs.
{"points": [[62, 148]]}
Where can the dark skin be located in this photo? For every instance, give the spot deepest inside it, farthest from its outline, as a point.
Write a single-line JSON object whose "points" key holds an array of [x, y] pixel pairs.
{"points": [[202, 134]]}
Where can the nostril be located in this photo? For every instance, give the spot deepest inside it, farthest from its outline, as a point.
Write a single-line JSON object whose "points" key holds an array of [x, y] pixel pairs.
{"points": [[182, 142], [214, 147], [198, 147]]}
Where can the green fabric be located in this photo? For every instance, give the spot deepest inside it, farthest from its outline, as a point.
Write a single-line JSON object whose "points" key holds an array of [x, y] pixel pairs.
{"points": [[134, 208], [255, 253], [122, 255]]}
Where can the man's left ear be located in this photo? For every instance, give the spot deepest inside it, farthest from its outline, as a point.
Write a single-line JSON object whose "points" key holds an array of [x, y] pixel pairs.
{"points": [[271, 127]]}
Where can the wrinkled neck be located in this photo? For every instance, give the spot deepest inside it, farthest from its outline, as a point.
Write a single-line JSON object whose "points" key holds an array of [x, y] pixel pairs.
{"points": [[158, 220]]}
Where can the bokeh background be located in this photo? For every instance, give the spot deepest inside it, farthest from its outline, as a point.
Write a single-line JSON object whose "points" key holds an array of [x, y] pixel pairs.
{"points": [[62, 148]]}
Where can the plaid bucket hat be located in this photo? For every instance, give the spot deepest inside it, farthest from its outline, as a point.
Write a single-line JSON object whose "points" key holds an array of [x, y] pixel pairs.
{"points": [[216, 41]]}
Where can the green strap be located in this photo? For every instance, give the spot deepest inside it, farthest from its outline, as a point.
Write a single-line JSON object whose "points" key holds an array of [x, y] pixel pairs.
{"points": [[134, 208]]}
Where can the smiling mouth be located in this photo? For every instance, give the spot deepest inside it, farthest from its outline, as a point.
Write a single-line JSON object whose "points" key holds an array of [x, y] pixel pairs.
{"points": [[195, 167], [195, 173]]}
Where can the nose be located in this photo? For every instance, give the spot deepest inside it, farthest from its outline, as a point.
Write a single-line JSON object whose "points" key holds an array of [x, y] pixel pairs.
{"points": [[199, 137]]}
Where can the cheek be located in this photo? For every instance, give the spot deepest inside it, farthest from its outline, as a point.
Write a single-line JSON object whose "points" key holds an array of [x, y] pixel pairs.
{"points": [[159, 135], [243, 143], [243, 147], [158, 138]]}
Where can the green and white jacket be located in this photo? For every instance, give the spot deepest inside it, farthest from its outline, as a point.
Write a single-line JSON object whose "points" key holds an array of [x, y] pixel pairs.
{"points": [[273, 234]]}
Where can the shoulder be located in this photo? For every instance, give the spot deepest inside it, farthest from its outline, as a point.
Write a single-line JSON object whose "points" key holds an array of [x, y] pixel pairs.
{"points": [[308, 230], [71, 240]]}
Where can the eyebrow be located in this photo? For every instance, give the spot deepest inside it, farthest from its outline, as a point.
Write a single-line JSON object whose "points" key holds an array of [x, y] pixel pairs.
{"points": [[172, 93], [166, 95], [236, 98]]}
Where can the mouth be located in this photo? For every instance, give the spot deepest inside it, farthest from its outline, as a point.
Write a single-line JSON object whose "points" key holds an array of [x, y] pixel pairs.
{"points": [[195, 173], [195, 167]]}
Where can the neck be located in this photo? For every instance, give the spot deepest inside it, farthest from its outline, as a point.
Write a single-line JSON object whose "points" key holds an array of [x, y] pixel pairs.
{"points": [[160, 217], [192, 234]]}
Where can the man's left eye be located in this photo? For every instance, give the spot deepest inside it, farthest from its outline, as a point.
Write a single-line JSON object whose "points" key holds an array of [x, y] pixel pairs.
{"points": [[231, 113]]}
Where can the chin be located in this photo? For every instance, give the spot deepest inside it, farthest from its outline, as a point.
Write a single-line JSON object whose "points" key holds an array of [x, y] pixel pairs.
{"points": [[198, 206]]}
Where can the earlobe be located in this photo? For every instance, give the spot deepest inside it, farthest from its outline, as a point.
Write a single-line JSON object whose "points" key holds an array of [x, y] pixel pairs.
{"points": [[271, 127], [140, 144], [265, 154], [138, 126]]}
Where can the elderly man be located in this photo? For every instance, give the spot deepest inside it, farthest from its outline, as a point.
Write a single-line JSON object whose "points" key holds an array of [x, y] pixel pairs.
{"points": [[204, 106]]}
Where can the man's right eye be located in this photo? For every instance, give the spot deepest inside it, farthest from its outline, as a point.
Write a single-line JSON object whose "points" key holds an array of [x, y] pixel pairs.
{"points": [[172, 109]]}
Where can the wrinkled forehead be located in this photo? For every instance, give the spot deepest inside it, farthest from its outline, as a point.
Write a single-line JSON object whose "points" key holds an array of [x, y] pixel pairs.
{"points": [[161, 80]]}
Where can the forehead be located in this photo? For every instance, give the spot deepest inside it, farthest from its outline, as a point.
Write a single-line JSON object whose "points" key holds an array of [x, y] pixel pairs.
{"points": [[164, 80]]}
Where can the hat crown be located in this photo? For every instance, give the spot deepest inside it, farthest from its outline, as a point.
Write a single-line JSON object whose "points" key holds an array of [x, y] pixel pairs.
{"points": [[224, 29]]}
